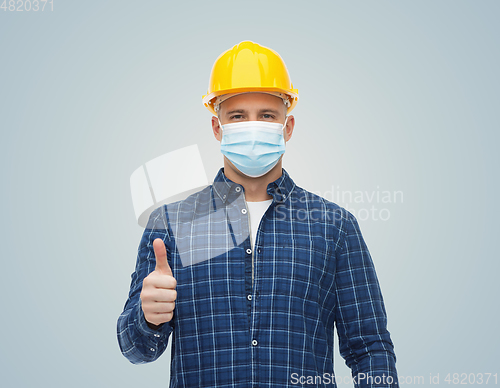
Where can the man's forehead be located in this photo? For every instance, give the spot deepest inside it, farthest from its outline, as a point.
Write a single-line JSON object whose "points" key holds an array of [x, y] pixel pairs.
{"points": [[253, 101]]}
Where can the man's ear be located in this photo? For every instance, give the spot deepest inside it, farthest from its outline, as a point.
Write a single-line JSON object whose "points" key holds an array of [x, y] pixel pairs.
{"points": [[216, 128], [290, 124]]}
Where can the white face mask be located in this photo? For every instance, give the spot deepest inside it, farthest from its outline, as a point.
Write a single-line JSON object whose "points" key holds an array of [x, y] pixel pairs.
{"points": [[254, 147]]}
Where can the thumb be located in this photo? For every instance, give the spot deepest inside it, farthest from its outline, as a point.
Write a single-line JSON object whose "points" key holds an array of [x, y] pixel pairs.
{"points": [[161, 257]]}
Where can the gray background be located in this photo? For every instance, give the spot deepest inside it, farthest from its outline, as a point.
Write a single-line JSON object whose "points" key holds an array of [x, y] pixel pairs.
{"points": [[394, 96]]}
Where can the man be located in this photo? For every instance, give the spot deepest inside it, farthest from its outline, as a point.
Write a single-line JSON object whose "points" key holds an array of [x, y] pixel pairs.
{"points": [[251, 274]]}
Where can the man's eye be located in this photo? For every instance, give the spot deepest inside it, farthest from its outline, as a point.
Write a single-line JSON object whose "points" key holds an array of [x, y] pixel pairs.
{"points": [[236, 117], [268, 116]]}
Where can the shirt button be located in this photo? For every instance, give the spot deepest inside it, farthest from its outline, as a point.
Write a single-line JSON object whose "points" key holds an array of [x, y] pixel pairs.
{"points": [[254, 342], [249, 251], [244, 211], [157, 335], [258, 250], [237, 189], [249, 297], [152, 349]]}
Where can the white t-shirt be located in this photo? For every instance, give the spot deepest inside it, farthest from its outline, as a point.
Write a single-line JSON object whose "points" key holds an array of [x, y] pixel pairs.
{"points": [[256, 211]]}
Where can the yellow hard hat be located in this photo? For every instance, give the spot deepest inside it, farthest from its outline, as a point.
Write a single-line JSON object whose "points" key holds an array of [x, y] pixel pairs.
{"points": [[249, 67]]}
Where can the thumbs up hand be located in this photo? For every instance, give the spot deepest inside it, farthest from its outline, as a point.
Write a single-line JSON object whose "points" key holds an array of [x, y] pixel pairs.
{"points": [[158, 293]]}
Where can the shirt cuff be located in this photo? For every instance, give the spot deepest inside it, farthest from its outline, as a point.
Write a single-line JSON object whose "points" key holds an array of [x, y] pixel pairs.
{"points": [[143, 328]]}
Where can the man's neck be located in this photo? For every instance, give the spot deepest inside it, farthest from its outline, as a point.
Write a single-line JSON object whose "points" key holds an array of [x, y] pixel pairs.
{"points": [[255, 188]]}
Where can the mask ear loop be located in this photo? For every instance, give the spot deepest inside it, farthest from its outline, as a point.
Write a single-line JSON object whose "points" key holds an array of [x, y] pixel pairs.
{"points": [[283, 129], [284, 125]]}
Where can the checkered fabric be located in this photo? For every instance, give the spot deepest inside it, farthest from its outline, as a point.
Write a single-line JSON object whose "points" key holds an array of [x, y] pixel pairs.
{"points": [[311, 271]]}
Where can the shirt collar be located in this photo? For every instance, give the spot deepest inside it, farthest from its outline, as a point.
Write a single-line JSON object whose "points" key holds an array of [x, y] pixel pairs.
{"points": [[280, 189]]}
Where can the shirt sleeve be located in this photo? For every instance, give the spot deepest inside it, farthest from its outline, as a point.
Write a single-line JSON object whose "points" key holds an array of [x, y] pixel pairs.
{"points": [[361, 319], [138, 342]]}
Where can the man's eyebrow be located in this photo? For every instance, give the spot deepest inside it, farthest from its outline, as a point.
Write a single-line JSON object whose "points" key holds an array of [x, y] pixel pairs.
{"points": [[260, 111], [235, 111], [269, 110]]}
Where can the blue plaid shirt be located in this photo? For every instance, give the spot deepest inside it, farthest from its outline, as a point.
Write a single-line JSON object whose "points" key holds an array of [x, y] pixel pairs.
{"points": [[262, 317]]}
